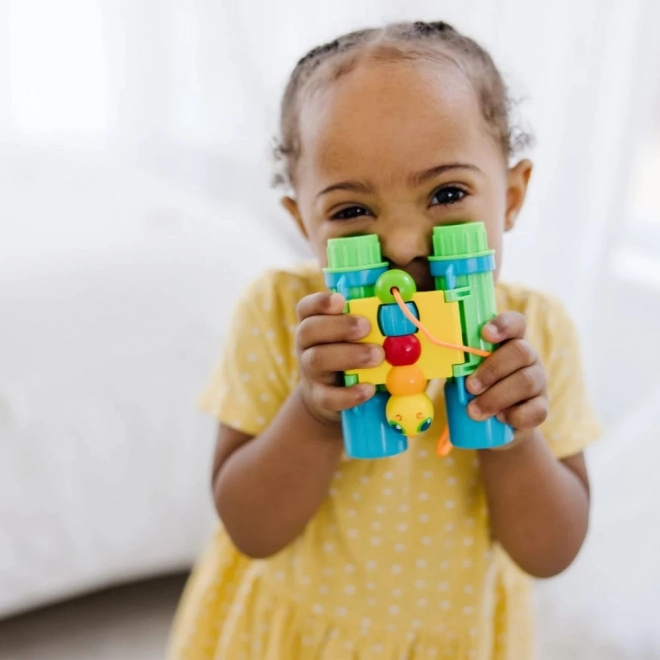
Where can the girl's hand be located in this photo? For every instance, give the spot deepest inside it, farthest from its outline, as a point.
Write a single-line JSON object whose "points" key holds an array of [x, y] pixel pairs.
{"points": [[511, 383], [324, 349]]}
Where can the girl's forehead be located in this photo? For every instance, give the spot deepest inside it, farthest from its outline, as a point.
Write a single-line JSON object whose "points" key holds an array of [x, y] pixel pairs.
{"points": [[384, 111]]}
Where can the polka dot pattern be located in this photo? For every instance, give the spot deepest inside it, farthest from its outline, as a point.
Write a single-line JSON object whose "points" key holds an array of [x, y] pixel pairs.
{"points": [[397, 561]]}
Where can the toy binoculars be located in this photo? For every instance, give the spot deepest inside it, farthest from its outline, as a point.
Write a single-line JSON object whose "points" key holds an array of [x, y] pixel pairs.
{"points": [[407, 323]]}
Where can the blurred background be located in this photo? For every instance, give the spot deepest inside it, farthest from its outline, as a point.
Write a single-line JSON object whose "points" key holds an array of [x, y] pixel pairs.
{"points": [[135, 204]]}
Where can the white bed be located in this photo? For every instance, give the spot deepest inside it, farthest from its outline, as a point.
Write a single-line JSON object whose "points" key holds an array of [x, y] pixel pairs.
{"points": [[115, 291], [607, 605]]}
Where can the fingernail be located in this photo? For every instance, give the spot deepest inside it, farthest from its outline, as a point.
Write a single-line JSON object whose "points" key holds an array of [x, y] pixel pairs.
{"points": [[364, 326], [475, 411], [367, 391], [360, 329], [336, 299], [376, 355], [476, 387], [492, 329]]}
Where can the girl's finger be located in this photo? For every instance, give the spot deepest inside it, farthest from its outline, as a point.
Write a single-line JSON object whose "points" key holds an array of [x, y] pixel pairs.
{"points": [[322, 362], [509, 325], [523, 385], [336, 399], [320, 303], [514, 355], [330, 329], [527, 415]]}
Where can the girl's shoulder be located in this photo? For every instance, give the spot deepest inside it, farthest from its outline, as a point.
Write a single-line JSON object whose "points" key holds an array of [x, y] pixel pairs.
{"points": [[526, 300], [538, 307], [572, 423], [550, 328], [284, 286], [278, 290]]}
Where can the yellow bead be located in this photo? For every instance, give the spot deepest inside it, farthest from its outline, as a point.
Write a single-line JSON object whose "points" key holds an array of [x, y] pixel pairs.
{"points": [[409, 415]]}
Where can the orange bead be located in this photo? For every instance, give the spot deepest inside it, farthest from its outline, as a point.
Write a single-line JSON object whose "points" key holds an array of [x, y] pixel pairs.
{"points": [[404, 381]]}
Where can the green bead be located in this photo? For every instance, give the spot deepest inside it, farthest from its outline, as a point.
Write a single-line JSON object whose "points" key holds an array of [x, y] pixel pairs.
{"points": [[398, 279]]}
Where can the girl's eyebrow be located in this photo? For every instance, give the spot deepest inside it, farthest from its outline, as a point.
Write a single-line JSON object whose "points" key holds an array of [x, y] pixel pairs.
{"points": [[415, 179], [350, 186], [419, 178]]}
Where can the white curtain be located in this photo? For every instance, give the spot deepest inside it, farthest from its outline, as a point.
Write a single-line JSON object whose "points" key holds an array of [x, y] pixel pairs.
{"points": [[194, 80], [201, 81], [190, 89]]}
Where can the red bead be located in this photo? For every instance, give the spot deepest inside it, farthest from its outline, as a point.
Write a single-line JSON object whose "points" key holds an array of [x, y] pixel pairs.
{"points": [[402, 351]]}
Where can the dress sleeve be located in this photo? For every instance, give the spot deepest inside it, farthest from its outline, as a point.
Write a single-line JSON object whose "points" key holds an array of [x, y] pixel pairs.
{"points": [[572, 423], [252, 379]]}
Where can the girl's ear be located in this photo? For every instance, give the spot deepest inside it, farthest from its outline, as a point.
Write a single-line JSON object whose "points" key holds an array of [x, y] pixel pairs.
{"points": [[291, 205], [518, 179]]}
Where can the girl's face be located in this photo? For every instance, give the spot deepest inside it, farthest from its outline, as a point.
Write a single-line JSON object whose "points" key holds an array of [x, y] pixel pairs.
{"points": [[395, 149]]}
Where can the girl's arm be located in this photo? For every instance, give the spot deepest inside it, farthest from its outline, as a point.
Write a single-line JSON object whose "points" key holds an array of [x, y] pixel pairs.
{"points": [[266, 489], [538, 505]]}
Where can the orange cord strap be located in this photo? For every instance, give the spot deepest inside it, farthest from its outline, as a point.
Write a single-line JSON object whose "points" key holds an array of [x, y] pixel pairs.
{"points": [[444, 446], [429, 336]]}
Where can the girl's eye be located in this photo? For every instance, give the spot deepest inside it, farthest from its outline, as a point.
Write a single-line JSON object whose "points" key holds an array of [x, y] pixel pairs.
{"points": [[448, 195], [350, 212]]}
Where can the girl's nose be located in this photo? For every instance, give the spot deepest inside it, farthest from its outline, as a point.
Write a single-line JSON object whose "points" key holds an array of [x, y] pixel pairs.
{"points": [[408, 248], [405, 245]]}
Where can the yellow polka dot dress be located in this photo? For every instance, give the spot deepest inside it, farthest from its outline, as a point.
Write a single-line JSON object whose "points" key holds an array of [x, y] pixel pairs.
{"points": [[397, 563]]}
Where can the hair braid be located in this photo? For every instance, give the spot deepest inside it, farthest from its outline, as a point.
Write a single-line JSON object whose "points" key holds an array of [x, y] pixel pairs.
{"points": [[400, 41]]}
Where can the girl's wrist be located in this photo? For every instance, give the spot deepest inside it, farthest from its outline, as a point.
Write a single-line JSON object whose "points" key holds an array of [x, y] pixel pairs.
{"points": [[523, 442], [321, 427]]}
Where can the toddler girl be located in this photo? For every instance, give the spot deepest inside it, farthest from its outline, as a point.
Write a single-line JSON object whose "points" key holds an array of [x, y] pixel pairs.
{"points": [[388, 131]]}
